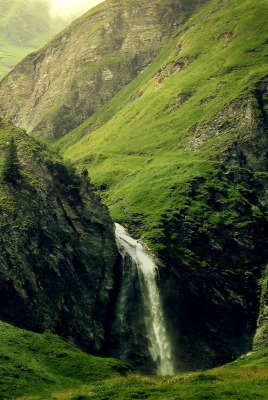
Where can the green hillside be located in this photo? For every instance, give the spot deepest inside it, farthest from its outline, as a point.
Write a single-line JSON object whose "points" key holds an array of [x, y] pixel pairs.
{"points": [[179, 121], [25, 26], [42, 366]]}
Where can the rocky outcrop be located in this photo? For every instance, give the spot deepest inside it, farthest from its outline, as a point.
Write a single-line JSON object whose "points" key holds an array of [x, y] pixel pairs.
{"points": [[261, 336], [57, 88], [57, 248], [215, 258]]}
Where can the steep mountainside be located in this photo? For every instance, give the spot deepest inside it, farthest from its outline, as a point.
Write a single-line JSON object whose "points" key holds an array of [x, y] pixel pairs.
{"points": [[88, 64], [200, 104], [57, 247], [179, 155], [25, 26]]}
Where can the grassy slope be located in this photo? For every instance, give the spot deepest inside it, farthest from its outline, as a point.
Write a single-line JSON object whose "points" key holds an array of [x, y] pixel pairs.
{"points": [[39, 364], [42, 366], [11, 54], [138, 147]]}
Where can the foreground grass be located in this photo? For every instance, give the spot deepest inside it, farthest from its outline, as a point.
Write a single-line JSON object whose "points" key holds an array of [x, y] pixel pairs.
{"points": [[43, 367], [243, 379], [39, 364]]}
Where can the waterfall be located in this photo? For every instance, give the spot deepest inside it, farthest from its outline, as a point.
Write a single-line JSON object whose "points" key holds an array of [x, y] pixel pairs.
{"points": [[143, 318]]}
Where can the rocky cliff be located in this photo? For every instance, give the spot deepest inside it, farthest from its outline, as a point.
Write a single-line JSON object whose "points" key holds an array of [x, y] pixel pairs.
{"points": [[261, 336], [57, 88], [57, 247], [216, 244]]}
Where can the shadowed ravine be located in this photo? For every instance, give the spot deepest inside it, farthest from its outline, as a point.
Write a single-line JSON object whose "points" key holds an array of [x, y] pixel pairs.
{"points": [[139, 316]]}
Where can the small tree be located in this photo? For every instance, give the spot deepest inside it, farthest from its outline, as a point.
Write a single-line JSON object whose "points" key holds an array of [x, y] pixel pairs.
{"points": [[11, 169]]}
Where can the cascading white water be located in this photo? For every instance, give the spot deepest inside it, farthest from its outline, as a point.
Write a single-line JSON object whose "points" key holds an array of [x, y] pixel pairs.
{"points": [[154, 322]]}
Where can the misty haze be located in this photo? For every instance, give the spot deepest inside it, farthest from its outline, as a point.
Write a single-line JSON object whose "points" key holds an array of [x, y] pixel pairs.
{"points": [[27, 25], [70, 7]]}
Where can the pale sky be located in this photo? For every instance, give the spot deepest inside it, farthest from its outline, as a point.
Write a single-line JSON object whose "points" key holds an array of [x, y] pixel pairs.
{"points": [[72, 7]]}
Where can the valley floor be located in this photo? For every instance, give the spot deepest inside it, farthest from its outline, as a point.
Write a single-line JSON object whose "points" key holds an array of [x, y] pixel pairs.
{"points": [[244, 379], [44, 367]]}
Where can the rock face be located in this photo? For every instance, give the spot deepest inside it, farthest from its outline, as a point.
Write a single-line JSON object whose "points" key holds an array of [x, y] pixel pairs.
{"points": [[212, 315], [57, 248], [261, 336], [57, 88]]}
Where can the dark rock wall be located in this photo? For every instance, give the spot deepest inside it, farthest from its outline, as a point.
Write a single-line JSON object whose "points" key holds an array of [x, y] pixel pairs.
{"points": [[212, 316], [261, 336], [57, 251]]}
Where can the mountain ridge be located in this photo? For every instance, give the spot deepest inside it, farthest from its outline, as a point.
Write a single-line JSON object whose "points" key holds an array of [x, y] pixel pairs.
{"points": [[220, 108]]}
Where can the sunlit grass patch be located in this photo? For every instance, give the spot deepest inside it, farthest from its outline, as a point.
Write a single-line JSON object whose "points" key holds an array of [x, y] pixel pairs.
{"points": [[38, 364]]}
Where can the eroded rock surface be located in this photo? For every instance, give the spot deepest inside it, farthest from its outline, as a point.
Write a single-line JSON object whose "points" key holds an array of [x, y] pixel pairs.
{"points": [[57, 248]]}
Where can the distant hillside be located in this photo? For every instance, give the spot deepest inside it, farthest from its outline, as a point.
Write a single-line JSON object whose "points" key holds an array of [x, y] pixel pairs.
{"points": [[87, 64], [25, 26]]}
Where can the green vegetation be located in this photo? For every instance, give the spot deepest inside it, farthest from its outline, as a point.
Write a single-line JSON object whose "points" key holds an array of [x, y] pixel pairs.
{"points": [[17, 148], [170, 155], [11, 54], [170, 124], [42, 366], [39, 364], [261, 337]]}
